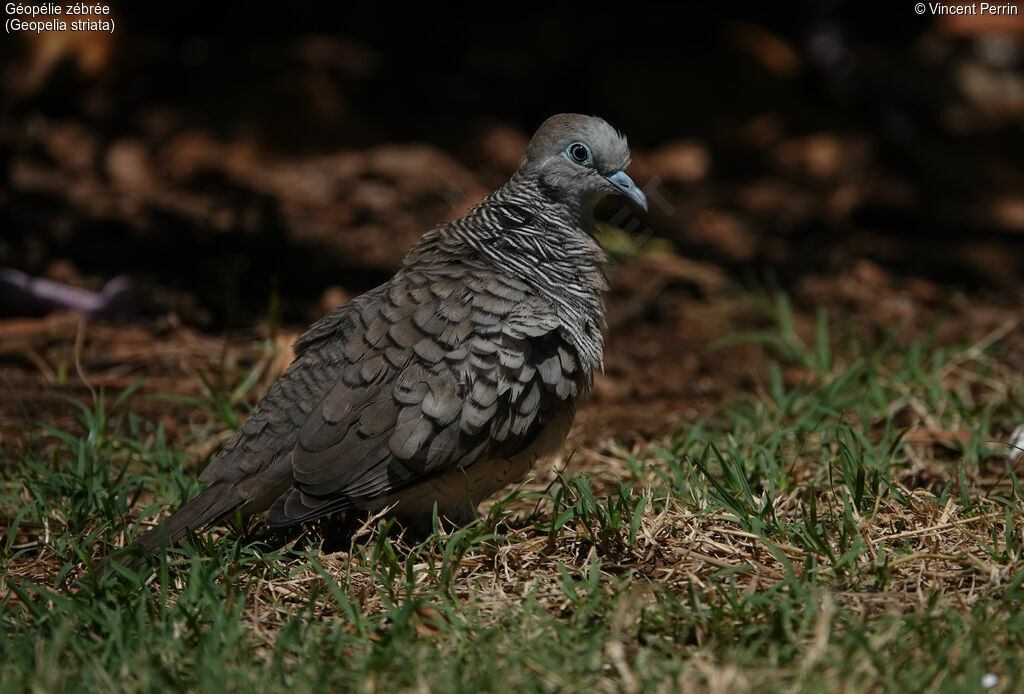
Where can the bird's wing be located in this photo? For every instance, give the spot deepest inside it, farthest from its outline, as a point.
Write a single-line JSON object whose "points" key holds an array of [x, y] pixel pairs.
{"points": [[449, 366], [258, 456]]}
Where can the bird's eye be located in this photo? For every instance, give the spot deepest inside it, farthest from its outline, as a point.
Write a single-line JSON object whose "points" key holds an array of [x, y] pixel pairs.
{"points": [[580, 153]]}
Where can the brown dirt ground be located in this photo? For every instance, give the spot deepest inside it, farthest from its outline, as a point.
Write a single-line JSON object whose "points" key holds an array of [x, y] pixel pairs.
{"points": [[663, 367]]}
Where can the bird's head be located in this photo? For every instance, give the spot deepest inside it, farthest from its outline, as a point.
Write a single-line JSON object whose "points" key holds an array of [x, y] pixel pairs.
{"points": [[582, 159]]}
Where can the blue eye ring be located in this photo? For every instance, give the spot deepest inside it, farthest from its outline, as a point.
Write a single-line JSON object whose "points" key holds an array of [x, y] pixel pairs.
{"points": [[579, 153]]}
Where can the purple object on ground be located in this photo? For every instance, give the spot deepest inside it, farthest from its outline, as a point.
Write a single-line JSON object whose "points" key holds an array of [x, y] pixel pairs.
{"points": [[22, 294]]}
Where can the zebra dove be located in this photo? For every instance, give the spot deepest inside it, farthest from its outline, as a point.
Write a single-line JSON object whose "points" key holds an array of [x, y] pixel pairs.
{"points": [[450, 380]]}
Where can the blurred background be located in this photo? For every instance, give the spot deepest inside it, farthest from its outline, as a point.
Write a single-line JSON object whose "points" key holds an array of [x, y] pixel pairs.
{"points": [[208, 179]]}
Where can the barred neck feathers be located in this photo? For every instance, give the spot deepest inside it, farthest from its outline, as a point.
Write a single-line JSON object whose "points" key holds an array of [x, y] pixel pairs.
{"points": [[519, 230], [539, 226]]}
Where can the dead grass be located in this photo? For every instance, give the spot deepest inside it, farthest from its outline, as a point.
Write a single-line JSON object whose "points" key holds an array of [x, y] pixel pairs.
{"points": [[853, 524]]}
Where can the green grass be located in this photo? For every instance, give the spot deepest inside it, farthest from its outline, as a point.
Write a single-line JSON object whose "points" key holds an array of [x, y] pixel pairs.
{"points": [[853, 525]]}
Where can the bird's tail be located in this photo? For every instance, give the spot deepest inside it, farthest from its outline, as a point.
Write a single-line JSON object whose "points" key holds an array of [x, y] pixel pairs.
{"points": [[210, 506]]}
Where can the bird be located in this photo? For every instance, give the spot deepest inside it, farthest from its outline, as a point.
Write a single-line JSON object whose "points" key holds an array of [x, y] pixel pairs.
{"points": [[450, 380]]}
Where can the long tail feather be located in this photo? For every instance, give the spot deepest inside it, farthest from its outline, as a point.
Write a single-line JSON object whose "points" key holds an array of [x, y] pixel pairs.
{"points": [[210, 506]]}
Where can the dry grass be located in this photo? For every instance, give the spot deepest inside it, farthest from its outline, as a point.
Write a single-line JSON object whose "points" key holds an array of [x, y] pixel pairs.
{"points": [[853, 525]]}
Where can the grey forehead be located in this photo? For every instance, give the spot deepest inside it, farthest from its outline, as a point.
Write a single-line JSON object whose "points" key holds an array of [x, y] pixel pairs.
{"points": [[611, 152], [609, 146]]}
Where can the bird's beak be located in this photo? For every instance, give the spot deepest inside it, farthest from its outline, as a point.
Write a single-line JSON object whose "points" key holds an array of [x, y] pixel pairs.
{"points": [[624, 184]]}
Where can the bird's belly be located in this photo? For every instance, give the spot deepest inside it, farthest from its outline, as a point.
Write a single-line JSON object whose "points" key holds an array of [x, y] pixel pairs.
{"points": [[458, 491]]}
